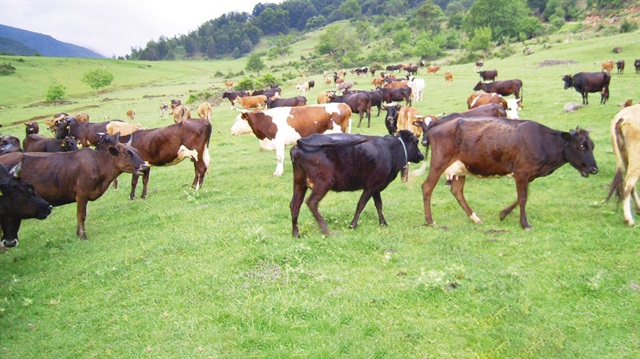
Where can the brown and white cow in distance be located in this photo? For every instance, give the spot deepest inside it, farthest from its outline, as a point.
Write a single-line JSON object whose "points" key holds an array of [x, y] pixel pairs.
{"points": [[496, 147], [285, 125], [77, 176], [625, 137]]}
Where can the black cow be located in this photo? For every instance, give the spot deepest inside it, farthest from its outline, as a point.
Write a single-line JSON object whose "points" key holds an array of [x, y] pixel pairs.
{"points": [[37, 143], [503, 88], [359, 102], [637, 65], [286, 102], [396, 94], [271, 91], [18, 201], [488, 75], [9, 144], [348, 162], [490, 147], [585, 82], [620, 67]]}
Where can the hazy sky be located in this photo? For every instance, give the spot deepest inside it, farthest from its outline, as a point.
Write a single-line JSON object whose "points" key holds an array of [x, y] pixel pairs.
{"points": [[113, 27]]}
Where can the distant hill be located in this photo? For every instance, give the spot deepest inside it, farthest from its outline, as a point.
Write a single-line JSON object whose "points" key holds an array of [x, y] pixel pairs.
{"points": [[22, 42]]}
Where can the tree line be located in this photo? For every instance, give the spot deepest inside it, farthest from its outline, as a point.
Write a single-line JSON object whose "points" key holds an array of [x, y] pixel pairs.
{"points": [[431, 26]]}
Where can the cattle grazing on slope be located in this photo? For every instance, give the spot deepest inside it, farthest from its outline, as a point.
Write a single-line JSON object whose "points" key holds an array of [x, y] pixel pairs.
{"points": [[636, 64], [181, 113], [285, 125], [347, 162], [479, 65], [252, 102], [620, 67], [625, 138], [77, 176], [85, 132], [233, 95], [503, 88], [489, 147], [359, 102], [286, 102], [37, 143], [585, 82], [488, 75], [18, 201], [402, 118], [131, 114], [205, 110], [511, 106], [403, 93], [163, 109], [448, 78], [417, 87], [432, 69]]}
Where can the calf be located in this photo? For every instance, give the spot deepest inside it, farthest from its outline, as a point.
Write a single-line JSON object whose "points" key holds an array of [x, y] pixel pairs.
{"points": [[37, 143], [585, 82], [607, 66], [488, 147], [625, 137], [347, 162], [131, 114], [448, 78], [78, 176], [620, 67], [285, 125], [488, 75], [18, 201]]}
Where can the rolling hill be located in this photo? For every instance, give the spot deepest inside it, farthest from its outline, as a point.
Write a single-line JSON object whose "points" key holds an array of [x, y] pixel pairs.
{"points": [[16, 41]]}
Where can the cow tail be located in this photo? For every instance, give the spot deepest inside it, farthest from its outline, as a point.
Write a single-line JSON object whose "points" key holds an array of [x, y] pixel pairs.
{"points": [[617, 140]]}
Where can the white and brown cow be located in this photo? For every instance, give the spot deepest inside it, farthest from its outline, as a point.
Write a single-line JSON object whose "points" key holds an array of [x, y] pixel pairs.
{"points": [[285, 125], [625, 137]]}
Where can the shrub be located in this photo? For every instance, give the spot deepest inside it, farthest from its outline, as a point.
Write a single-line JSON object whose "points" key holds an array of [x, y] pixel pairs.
{"points": [[7, 69], [55, 93], [628, 26], [97, 78]]}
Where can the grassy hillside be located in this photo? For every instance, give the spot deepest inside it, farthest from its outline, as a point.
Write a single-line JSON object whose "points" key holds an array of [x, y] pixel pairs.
{"points": [[216, 273]]}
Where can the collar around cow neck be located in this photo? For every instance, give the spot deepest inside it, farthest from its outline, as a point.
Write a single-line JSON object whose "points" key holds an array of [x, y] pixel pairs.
{"points": [[404, 147]]}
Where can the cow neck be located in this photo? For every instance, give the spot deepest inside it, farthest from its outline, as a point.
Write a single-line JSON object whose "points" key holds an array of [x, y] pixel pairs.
{"points": [[404, 147]]}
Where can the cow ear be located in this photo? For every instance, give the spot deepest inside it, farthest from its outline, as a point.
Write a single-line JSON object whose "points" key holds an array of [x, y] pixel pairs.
{"points": [[113, 150], [16, 170]]}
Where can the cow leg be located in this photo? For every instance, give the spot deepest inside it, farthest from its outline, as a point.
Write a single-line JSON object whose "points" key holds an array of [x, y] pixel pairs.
{"points": [[201, 170], [522, 185], [279, 159], [585, 98], [362, 202], [508, 210], [457, 189], [427, 190], [628, 191], [299, 191], [145, 182], [377, 200], [317, 194], [369, 117], [82, 216], [361, 115]]}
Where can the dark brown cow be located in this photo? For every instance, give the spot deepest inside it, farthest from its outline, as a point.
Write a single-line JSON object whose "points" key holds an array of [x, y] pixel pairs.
{"points": [[77, 176], [37, 143], [359, 102], [85, 132], [489, 147], [32, 127], [232, 95], [346, 162], [488, 75], [9, 144], [286, 102], [511, 105], [620, 67], [636, 64], [170, 145], [396, 94], [18, 201], [585, 82], [503, 88], [285, 125]]}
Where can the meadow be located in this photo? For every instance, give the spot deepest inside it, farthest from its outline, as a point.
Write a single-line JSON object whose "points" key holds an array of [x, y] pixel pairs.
{"points": [[216, 273]]}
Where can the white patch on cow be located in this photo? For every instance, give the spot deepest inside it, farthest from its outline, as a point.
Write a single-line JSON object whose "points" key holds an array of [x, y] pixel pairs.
{"points": [[206, 157], [183, 153], [417, 87], [458, 168], [474, 217]]}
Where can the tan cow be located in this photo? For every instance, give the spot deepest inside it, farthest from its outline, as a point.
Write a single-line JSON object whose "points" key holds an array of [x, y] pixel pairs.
{"points": [[625, 137], [124, 128], [607, 66], [448, 78], [131, 114], [205, 110], [229, 84], [432, 69], [181, 113], [406, 117], [251, 102]]}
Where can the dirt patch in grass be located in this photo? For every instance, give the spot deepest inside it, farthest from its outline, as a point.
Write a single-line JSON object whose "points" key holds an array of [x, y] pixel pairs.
{"points": [[546, 63]]}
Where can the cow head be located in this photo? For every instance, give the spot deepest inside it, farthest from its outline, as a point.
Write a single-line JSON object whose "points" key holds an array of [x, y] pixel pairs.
{"points": [[578, 151], [9, 144], [32, 127], [410, 142], [69, 143], [568, 81], [513, 105], [478, 86], [391, 120], [126, 159], [18, 201]]}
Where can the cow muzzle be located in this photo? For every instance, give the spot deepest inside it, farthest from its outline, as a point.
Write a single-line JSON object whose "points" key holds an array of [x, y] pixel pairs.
{"points": [[10, 242], [588, 171], [143, 167]]}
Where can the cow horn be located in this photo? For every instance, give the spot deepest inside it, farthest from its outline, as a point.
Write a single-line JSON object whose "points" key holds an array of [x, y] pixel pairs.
{"points": [[16, 170]]}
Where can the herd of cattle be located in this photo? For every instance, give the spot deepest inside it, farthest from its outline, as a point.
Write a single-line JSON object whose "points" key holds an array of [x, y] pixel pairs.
{"points": [[487, 140]]}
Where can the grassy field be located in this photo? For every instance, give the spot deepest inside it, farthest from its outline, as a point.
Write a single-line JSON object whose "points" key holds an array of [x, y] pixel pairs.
{"points": [[216, 273]]}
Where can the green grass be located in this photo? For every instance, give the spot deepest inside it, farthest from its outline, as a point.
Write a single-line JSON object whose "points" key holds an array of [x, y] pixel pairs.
{"points": [[216, 273]]}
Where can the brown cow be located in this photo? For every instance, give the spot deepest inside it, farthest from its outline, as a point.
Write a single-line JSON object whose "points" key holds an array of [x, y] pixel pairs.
{"points": [[85, 132], [503, 88], [448, 78], [285, 125], [625, 137], [181, 113], [172, 144], [37, 143], [77, 176], [607, 66], [131, 114], [620, 67], [490, 147], [251, 102], [432, 69], [229, 84], [511, 106], [488, 75], [32, 127]]}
